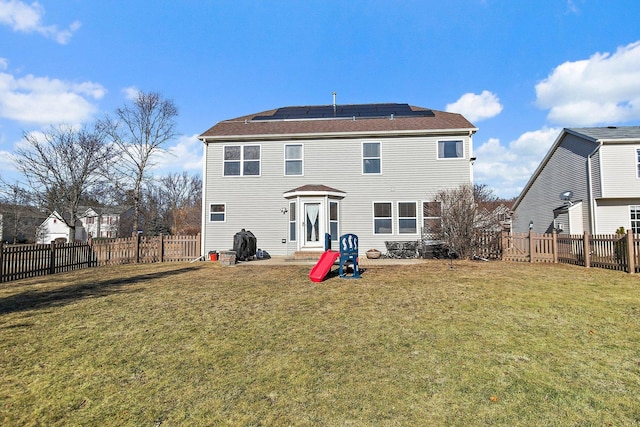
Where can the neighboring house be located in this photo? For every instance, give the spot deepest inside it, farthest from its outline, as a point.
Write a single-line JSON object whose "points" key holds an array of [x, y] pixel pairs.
{"points": [[292, 174], [589, 181], [19, 223], [54, 228], [104, 222], [497, 215], [94, 222]]}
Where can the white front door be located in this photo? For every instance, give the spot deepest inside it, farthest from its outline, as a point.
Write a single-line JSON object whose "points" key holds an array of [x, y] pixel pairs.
{"points": [[313, 225]]}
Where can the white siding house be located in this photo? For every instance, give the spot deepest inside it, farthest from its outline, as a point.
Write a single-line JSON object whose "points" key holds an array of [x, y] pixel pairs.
{"points": [[55, 228], [600, 169], [292, 174]]}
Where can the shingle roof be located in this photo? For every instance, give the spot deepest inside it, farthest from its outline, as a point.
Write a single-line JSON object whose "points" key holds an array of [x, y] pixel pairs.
{"points": [[608, 133], [270, 123]]}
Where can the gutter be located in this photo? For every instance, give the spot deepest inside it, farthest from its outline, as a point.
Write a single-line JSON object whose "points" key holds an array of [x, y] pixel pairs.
{"points": [[341, 135]]}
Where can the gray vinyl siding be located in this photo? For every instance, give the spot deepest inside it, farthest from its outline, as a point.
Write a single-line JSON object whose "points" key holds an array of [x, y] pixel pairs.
{"points": [[596, 175], [410, 172], [566, 169], [619, 170]]}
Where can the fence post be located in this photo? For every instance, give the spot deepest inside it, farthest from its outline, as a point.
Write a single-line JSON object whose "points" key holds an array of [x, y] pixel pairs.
{"points": [[198, 245], [136, 239], [532, 247], [586, 249], [52, 257], [554, 246], [1, 261], [631, 264], [161, 248]]}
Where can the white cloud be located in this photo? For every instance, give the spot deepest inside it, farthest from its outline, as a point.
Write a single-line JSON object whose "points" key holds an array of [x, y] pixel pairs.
{"points": [[131, 92], [4, 64], [27, 18], [476, 107], [603, 89], [506, 169], [185, 155], [42, 100]]}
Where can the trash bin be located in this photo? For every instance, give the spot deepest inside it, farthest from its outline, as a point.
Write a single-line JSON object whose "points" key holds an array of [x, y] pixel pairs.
{"points": [[213, 256]]}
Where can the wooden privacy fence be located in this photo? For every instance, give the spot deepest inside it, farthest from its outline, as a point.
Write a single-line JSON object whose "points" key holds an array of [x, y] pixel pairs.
{"points": [[610, 251], [22, 261], [143, 249]]}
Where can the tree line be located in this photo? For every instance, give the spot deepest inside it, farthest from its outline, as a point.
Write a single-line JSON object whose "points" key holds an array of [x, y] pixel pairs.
{"points": [[109, 162]]}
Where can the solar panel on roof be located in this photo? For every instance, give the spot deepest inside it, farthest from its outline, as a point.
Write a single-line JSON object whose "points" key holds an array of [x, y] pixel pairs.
{"points": [[341, 111]]}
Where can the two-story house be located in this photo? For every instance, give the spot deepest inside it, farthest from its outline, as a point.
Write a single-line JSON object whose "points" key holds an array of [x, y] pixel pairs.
{"points": [[103, 222], [292, 174], [588, 181]]}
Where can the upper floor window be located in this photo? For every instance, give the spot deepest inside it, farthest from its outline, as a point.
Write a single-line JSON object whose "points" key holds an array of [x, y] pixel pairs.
{"points": [[293, 159], [382, 219], [450, 149], [371, 157], [638, 161], [217, 212], [407, 218], [242, 160]]}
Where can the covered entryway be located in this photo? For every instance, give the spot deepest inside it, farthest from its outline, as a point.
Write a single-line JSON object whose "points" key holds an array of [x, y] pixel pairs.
{"points": [[313, 212]]}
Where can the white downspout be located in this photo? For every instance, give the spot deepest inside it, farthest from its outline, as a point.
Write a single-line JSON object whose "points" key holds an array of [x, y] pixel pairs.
{"points": [[204, 199]]}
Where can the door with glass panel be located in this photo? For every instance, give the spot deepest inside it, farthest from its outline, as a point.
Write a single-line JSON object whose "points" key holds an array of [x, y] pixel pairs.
{"points": [[313, 225]]}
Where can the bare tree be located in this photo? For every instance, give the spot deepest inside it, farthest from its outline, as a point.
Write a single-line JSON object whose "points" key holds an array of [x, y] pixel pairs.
{"points": [[182, 194], [139, 130], [464, 211], [61, 166]]}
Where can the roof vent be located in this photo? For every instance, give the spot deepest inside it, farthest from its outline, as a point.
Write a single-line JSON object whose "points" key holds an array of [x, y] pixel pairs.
{"points": [[612, 127]]}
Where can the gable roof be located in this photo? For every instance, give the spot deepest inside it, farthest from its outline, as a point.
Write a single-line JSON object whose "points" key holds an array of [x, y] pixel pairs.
{"points": [[359, 119], [595, 135], [609, 133]]}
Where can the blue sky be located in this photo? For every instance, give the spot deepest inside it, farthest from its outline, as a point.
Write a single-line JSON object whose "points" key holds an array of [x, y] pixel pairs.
{"points": [[519, 70]]}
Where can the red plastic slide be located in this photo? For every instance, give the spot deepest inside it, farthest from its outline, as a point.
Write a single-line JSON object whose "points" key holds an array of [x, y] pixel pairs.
{"points": [[322, 267]]}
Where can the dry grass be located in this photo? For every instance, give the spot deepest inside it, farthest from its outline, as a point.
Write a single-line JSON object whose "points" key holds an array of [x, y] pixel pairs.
{"points": [[199, 344]]}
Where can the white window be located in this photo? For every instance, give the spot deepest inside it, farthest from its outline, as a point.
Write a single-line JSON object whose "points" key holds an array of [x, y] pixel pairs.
{"points": [[382, 219], [635, 219], [407, 218], [242, 160], [292, 221], [432, 220], [217, 212], [333, 220], [371, 158], [293, 159], [450, 149]]}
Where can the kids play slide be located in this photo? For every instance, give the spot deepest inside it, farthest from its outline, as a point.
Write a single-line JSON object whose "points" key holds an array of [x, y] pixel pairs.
{"points": [[322, 267]]}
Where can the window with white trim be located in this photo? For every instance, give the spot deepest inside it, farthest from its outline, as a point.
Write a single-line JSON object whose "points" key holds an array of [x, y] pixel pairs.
{"points": [[382, 218], [638, 161], [450, 149], [333, 220], [635, 218], [407, 218], [241, 160], [431, 220], [292, 221], [371, 158], [293, 159], [217, 212]]}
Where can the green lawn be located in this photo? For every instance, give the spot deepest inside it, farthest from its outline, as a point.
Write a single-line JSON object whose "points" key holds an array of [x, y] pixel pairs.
{"points": [[199, 344]]}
